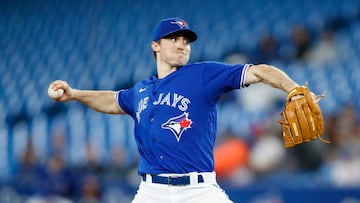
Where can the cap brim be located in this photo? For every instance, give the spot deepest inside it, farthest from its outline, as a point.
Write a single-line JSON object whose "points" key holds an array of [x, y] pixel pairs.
{"points": [[191, 35]]}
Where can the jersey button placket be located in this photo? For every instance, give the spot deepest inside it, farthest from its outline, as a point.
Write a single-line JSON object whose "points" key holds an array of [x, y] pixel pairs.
{"points": [[152, 116], [153, 136]]}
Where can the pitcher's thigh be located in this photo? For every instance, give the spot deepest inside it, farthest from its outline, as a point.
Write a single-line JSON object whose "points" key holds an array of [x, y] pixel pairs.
{"points": [[151, 193], [211, 193]]}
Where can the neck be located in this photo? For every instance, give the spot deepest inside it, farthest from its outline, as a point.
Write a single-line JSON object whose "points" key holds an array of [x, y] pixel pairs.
{"points": [[164, 73], [164, 70]]}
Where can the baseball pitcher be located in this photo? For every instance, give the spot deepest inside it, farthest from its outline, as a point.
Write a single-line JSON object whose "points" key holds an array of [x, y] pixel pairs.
{"points": [[175, 115]]}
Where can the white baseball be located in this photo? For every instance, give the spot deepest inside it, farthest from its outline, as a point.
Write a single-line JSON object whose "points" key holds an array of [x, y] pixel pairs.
{"points": [[55, 94]]}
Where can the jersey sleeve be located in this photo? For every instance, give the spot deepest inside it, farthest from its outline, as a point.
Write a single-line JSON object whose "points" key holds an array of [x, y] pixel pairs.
{"points": [[220, 78], [125, 99]]}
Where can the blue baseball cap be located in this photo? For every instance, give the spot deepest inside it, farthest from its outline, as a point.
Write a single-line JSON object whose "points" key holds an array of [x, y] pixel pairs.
{"points": [[171, 26]]}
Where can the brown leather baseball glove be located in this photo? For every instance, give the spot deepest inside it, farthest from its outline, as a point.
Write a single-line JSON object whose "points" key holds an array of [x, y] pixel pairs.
{"points": [[301, 119]]}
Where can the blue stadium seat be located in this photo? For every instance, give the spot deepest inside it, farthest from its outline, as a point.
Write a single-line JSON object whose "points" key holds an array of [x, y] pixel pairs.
{"points": [[4, 152]]}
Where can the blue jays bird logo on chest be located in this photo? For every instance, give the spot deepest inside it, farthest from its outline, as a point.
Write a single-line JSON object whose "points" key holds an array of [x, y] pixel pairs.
{"points": [[177, 125]]}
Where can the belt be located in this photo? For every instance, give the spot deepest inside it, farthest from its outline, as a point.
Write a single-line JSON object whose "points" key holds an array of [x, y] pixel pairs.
{"points": [[180, 180]]}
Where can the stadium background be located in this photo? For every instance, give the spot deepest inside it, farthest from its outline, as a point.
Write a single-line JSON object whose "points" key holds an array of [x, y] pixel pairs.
{"points": [[67, 153]]}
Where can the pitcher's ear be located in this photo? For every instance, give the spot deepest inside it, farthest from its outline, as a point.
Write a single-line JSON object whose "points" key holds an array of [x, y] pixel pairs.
{"points": [[155, 46]]}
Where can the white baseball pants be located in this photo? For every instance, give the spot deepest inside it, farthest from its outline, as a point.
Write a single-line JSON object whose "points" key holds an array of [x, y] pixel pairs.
{"points": [[208, 191]]}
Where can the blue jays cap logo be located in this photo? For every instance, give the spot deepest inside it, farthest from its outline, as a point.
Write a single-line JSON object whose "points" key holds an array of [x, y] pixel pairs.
{"points": [[177, 125], [181, 24]]}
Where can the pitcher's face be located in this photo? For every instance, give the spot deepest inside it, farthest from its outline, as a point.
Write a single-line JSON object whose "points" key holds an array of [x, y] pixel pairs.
{"points": [[174, 50]]}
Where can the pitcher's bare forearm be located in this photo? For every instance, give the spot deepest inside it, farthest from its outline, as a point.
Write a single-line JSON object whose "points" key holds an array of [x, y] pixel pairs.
{"points": [[270, 75], [101, 101]]}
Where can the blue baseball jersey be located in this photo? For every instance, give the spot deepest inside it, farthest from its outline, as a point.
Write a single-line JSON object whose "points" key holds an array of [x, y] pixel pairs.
{"points": [[175, 117]]}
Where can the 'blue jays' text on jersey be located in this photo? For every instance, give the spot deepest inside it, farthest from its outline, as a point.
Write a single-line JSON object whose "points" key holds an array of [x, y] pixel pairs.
{"points": [[175, 117]]}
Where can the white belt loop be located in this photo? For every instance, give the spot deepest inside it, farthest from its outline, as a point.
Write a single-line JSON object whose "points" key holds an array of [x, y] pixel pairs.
{"points": [[148, 178], [193, 178]]}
